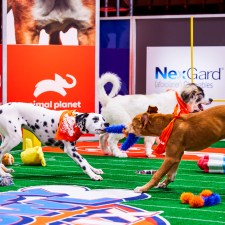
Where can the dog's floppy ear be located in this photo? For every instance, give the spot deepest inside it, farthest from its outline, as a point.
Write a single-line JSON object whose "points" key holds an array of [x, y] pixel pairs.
{"points": [[144, 120], [152, 109], [81, 117]]}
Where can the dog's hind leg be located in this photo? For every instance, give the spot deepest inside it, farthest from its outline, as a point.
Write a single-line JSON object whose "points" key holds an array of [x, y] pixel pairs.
{"points": [[166, 166], [170, 176], [92, 172]]}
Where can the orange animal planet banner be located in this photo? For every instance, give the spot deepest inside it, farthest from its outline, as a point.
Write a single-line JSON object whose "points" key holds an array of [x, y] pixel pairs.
{"points": [[55, 77], [52, 53]]}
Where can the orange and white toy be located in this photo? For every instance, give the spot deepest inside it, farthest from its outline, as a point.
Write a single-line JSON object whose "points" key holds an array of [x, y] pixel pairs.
{"points": [[7, 159]]}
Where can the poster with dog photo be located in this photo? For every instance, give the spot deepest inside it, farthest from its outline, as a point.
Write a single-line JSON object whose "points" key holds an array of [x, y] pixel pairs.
{"points": [[51, 22], [51, 47]]}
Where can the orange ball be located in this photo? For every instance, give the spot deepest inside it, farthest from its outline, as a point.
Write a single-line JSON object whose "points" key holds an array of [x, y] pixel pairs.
{"points": [[7, 159], [206, 193], [185, 197], [196, 202]]}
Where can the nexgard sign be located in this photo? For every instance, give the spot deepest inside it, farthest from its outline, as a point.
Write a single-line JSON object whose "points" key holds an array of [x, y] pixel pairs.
{"points": [[170, 68]]}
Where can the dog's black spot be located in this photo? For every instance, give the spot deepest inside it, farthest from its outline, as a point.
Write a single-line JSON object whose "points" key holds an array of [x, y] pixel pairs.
{"points": [[37, 126], [1, 111], [10, 121], [15, 131], [95, 119], [77, 156], [50, 141], [18, 118], [84, 168], [87, 131], [45, 124], [58, 143], [43, 115], [46, 131], [33, 127], [53, 121], [61, 146], [37, 121], [53, 131]]}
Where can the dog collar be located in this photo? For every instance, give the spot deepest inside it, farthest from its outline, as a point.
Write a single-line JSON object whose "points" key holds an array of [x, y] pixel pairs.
{"points": [[180, 108], [68, 129]]}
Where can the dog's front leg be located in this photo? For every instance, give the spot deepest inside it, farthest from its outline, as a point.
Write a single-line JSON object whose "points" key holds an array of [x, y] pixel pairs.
{"points": [[92, 172], [26, 34], [103, 143], [165, 167], [113, 141], [149, 142]]}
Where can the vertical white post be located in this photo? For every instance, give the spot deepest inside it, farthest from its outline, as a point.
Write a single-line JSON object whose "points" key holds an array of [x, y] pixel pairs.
{"points": [[4, 52]]}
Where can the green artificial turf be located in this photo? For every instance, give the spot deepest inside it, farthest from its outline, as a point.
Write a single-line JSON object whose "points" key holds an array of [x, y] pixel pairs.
{"points": [[120, 173]]}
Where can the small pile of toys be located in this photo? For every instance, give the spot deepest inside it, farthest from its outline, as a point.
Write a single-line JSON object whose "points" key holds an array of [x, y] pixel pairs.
{"points": [[212, 163], [205, 198], [7, 160], [29, 156]]}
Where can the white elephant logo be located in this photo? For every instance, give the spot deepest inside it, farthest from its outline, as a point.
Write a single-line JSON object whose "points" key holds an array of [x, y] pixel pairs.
{"points": [[58, 85]]}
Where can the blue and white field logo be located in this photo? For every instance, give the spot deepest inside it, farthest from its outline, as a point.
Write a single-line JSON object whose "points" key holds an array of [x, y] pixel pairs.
{"points": [[64, 205]]}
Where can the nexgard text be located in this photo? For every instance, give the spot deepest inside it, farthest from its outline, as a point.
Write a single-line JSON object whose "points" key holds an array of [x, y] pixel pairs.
{"points": [[172, 74]]}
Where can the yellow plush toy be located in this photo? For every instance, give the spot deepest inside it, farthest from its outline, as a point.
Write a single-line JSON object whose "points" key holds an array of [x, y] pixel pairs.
{"points": [[32, 155]]}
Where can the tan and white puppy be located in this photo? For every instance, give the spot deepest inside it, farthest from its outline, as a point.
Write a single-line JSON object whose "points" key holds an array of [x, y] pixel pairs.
{"points": [[191, 132], [120, 109]]}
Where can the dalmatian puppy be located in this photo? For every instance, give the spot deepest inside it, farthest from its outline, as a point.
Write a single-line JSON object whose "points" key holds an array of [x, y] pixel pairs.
{"points": [[44, 124]]}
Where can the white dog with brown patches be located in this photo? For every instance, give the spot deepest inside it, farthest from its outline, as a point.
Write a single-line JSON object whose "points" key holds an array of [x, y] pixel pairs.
{"points": [[118, 109]]}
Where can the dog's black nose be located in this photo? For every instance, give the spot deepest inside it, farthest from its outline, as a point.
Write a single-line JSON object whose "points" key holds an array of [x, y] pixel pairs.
{"points": [[210, 99], [106, 124]]}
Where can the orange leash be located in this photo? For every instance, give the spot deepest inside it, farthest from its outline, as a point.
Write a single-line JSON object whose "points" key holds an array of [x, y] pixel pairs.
{"points": [[180, 108]]}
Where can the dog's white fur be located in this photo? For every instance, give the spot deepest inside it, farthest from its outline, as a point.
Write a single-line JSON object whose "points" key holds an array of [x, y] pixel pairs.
{"points": [[118, 109], [44, 124]]}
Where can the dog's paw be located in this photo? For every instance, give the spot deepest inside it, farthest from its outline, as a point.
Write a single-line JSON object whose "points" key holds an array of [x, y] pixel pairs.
{"points": [[7, 175], [10, 171], [98, 171], [106, 150], [96, 177], [138, 190], [121, 154], [161, 185], [150, 155]]}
